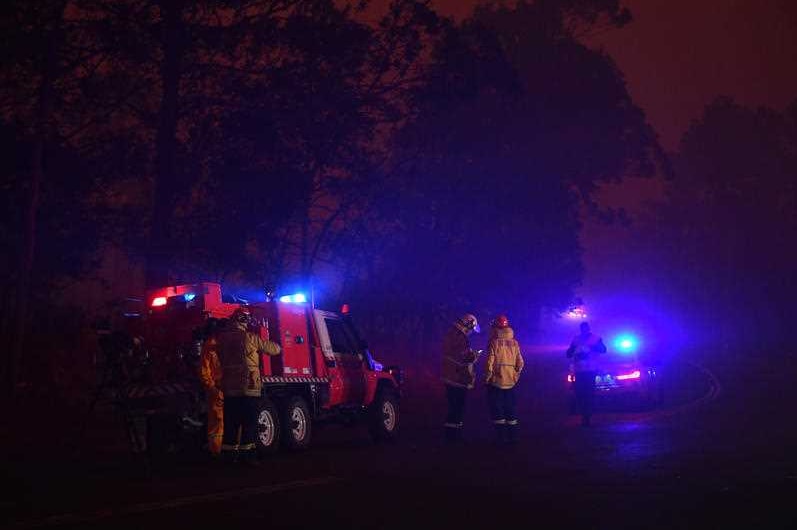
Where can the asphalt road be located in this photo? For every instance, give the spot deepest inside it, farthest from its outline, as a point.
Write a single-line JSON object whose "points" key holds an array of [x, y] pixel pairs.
{"points": [[718, 453]]}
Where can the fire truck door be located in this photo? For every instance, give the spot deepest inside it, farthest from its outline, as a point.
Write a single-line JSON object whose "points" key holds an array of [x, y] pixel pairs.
{"points": [[348, 359]]}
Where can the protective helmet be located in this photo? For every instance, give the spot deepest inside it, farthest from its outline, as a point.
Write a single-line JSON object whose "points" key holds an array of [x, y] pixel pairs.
{"points": [[469, 323], [501, 321], [241, 315]]}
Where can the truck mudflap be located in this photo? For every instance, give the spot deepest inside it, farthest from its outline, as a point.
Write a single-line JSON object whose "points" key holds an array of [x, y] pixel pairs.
{"points": [[281, 379]]}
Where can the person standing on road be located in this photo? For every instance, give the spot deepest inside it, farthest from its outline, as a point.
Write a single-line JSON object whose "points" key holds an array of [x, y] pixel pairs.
{"points": [[504, 364], [458, 373], [584, 349], [210, 376], [239, 351]]}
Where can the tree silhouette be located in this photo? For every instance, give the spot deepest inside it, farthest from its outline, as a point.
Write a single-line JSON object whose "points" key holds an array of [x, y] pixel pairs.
{"points": [[728, 229], [517, 124]]}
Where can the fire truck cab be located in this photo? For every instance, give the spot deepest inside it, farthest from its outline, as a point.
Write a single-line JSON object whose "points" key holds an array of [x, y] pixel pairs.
{"points": [[325, 371]]}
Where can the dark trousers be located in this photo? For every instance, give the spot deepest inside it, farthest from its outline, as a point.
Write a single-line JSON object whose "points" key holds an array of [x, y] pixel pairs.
{"points": [[503, 405], [240, 412], [585, 393], [456, 411]]}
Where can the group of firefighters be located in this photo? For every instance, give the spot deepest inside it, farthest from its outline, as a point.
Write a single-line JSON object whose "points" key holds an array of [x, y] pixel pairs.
{"points": [[230, 374], [502, 371]]}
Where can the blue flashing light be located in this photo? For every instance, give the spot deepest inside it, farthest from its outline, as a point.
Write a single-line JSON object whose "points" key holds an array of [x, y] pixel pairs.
{"points": [[298, 298], [189, 296], [626, 343]]}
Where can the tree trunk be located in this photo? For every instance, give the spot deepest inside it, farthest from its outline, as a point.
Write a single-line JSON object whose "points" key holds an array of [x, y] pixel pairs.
{"points": [[166, 184], [41, 132]]}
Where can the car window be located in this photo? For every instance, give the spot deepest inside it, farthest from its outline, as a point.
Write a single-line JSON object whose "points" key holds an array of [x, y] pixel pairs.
{"points": [[339, 338]]}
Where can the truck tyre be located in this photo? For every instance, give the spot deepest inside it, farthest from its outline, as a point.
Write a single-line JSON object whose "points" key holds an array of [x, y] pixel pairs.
{"points": [[268, 427], [297, 425], [383, 418]]}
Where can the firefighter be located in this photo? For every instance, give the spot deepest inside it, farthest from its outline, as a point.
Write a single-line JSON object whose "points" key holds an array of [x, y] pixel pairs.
{"points": [[504, 364], [583, 351], [458, 373], [239, 351], [210, 375]]}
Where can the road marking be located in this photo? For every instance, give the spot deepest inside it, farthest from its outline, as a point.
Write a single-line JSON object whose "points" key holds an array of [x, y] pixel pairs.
{"points": [[146, 507], [713, 392]]}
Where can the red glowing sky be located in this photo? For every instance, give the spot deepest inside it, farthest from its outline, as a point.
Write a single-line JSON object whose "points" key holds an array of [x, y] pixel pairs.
{"points": [[678, 55]]}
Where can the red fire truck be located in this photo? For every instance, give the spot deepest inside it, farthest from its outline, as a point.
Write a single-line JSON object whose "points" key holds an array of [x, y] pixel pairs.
{"points": [[325, 370]]}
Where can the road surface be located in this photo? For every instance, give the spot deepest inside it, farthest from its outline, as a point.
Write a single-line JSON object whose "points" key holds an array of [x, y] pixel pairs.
{"points": [[719, 453]]}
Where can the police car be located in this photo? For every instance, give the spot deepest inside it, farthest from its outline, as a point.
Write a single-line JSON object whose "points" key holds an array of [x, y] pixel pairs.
{"points": [[624, 373]]}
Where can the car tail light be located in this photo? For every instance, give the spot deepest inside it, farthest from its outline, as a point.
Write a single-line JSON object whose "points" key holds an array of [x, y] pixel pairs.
{"points": [[159, 301], [636, 374]]}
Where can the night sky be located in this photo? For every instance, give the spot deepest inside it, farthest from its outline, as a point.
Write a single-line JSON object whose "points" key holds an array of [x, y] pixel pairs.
{"points": [[678, 55]]}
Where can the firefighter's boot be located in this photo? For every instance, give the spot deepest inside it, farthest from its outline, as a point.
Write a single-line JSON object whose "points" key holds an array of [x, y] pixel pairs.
{"points": [[511, 432], [451, 435], [250, 458], [229, 456], [500, 431]]}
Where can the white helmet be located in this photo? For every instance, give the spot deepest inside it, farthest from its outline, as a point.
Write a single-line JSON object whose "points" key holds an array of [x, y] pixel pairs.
{"points": [[469, 323]]}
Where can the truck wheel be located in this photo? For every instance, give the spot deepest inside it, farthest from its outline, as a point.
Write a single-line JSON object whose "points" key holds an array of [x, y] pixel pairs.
{"points": [[297, 424], [268, 427], [384, 416]]}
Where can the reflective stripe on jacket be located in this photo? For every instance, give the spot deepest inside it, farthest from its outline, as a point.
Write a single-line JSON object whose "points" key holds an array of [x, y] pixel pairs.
{"points": [[504, 361]]}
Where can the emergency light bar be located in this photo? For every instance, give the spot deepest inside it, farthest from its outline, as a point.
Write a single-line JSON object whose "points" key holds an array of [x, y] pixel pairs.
{"points": [[298, 298], [160, 301]]}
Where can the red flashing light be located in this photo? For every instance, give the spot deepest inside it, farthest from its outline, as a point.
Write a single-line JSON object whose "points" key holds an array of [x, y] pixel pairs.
{"points": [[159, 301], [344, 309], [633, 375]]}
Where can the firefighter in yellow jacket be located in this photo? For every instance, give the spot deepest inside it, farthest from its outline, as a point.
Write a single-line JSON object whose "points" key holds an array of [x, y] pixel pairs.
{"points": [[210, 375], [457, 373], [503, 367], [239, 351]]}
